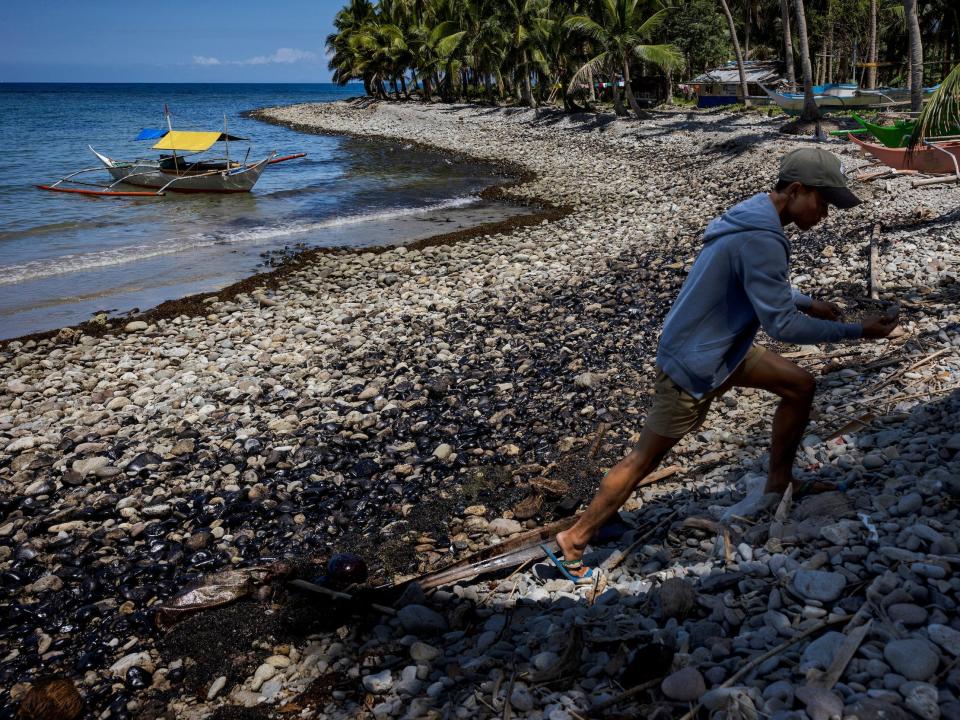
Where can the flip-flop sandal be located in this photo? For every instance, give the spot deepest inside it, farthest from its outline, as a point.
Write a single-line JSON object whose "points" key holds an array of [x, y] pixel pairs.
{"points": [[589, 578], [806, 488]]}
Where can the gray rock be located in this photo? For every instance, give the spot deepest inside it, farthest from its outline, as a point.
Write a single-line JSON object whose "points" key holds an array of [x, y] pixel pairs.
{"points": [[544, 661], [876, 709], [913, 658], [909, 503], [821, 703], [46, 583], [907, 613], [819, 585], [379, 682], [421, 620], [874, 461], [779, 695], [923, 700], [504, 527], [820, 653], [946, 637], [422, 652], [521, 699], [950, 710], [686, 685], [408, 685]]}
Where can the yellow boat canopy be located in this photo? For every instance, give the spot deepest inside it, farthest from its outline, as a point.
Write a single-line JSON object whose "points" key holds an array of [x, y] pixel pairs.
{"points": [[187, 141]]}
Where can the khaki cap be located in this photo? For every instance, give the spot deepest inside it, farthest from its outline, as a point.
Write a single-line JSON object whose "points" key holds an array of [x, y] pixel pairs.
{"points": [[819, 169]]}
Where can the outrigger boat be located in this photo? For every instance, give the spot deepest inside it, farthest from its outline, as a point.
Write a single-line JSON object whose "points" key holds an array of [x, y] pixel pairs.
{"points": [[940, 156], [843, 96], [173, 172]]}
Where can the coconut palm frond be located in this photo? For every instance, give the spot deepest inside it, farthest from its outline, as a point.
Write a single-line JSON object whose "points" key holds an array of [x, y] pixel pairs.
{"points": [[941, 114], [664, 56], [588, 26], [595, 65], [653, 22]]}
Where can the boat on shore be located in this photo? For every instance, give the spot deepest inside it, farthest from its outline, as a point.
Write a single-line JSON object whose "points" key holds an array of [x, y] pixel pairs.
{"points": [[843, 96], [933, 157], [891, 136], [176, 170]]}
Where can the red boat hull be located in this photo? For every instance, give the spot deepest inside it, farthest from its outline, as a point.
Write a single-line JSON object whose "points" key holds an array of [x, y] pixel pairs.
{"points": [[923, 159]]}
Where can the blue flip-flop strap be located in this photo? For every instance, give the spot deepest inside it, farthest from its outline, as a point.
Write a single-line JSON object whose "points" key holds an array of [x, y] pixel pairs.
{"points": [[563, 568]]}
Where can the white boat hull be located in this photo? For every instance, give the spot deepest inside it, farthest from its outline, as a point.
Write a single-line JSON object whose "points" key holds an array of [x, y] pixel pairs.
{"points": [[149, 174]]}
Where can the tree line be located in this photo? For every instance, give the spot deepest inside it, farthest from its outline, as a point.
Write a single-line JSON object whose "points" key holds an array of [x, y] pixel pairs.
{"points": [[557, 51]]}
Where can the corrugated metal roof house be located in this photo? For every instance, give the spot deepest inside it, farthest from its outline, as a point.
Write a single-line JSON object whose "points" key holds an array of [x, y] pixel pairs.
{"points": [[721, 86]]}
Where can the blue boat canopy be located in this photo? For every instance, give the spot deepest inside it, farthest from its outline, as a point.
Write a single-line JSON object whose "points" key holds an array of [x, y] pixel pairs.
{"points": [[151, 134]]}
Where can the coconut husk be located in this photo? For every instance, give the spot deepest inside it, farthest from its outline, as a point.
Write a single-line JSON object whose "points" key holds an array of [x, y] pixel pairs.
{"points": [[676, 597], [51, 699], [528, 507], [551, 486]]}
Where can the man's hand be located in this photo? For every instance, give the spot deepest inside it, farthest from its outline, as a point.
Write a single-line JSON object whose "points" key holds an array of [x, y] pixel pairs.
{"points": [[879, 326], [825, 310]]}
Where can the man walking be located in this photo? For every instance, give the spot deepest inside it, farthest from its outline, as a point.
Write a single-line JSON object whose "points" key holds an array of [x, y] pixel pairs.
{"points": [[738, 284]]}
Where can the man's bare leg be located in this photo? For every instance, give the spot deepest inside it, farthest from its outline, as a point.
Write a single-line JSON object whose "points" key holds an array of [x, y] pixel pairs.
{"points": [[795, 387], [614, 491]]}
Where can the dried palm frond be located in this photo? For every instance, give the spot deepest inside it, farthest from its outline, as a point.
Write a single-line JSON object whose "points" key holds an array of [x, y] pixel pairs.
{"points": [[941, 115]]}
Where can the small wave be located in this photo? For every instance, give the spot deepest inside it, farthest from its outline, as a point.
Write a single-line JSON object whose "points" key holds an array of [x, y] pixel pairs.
{"points": [[49, 267], [55, 227]]}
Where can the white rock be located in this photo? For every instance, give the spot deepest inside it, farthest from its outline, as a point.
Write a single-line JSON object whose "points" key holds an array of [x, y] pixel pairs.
{"points": [[216, 686], [138, 659], [261, 675]]}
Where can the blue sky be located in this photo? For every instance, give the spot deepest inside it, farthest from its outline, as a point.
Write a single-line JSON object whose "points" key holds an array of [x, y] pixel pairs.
{"points": [[167, 41]]}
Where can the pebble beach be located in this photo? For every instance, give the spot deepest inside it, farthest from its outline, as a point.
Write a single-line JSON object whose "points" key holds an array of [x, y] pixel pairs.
{"points": [[418, 404]]}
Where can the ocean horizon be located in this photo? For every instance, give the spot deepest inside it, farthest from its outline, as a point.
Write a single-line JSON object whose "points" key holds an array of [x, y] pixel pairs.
{"points": [[65, 258]]}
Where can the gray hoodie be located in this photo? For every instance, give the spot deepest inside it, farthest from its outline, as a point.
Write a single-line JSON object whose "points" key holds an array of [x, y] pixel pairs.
{"points": [[739, 283]]}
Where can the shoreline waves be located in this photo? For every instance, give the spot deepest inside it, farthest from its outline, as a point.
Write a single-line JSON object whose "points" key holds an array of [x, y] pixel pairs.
{"points": [[418, 404]]}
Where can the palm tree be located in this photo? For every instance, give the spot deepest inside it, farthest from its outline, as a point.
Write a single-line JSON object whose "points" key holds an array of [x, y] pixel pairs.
{"points": [[347, 60], [811, 112], [872, 67], [744, 91], [941, 115], [916, 54], [620, 37], [788, 41], [524, 21]]}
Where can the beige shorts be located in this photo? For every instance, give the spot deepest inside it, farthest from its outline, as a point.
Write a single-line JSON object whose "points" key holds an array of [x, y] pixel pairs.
{"points": [[676, 412]]}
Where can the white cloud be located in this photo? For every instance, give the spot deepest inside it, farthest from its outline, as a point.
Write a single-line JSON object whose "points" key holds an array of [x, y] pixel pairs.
{"points": [[282, 56]]}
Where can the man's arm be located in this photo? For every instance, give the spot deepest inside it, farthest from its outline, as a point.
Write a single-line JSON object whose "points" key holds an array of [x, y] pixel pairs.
{"points": [[763, 267]]}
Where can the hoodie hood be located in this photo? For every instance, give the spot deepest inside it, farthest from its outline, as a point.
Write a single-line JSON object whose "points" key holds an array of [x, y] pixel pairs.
{"points": [[756, 213]]}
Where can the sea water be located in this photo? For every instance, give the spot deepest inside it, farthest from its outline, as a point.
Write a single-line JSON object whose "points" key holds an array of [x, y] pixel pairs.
{"points": [[66, 257]]}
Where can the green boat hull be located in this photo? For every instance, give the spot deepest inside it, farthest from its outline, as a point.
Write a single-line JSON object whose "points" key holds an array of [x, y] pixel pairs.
{"points": [[891, 136]]}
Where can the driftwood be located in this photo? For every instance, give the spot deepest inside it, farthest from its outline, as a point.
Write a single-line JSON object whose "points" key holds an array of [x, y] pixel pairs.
{"points": [[936, 180], [502, 556], [851, 643], [337, 595], [875, 263], [899, 373], [626, 695], [618, 556]]}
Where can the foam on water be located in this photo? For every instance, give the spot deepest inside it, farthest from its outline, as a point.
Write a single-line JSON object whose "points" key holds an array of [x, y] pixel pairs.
{"points": [[63, 264]]}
